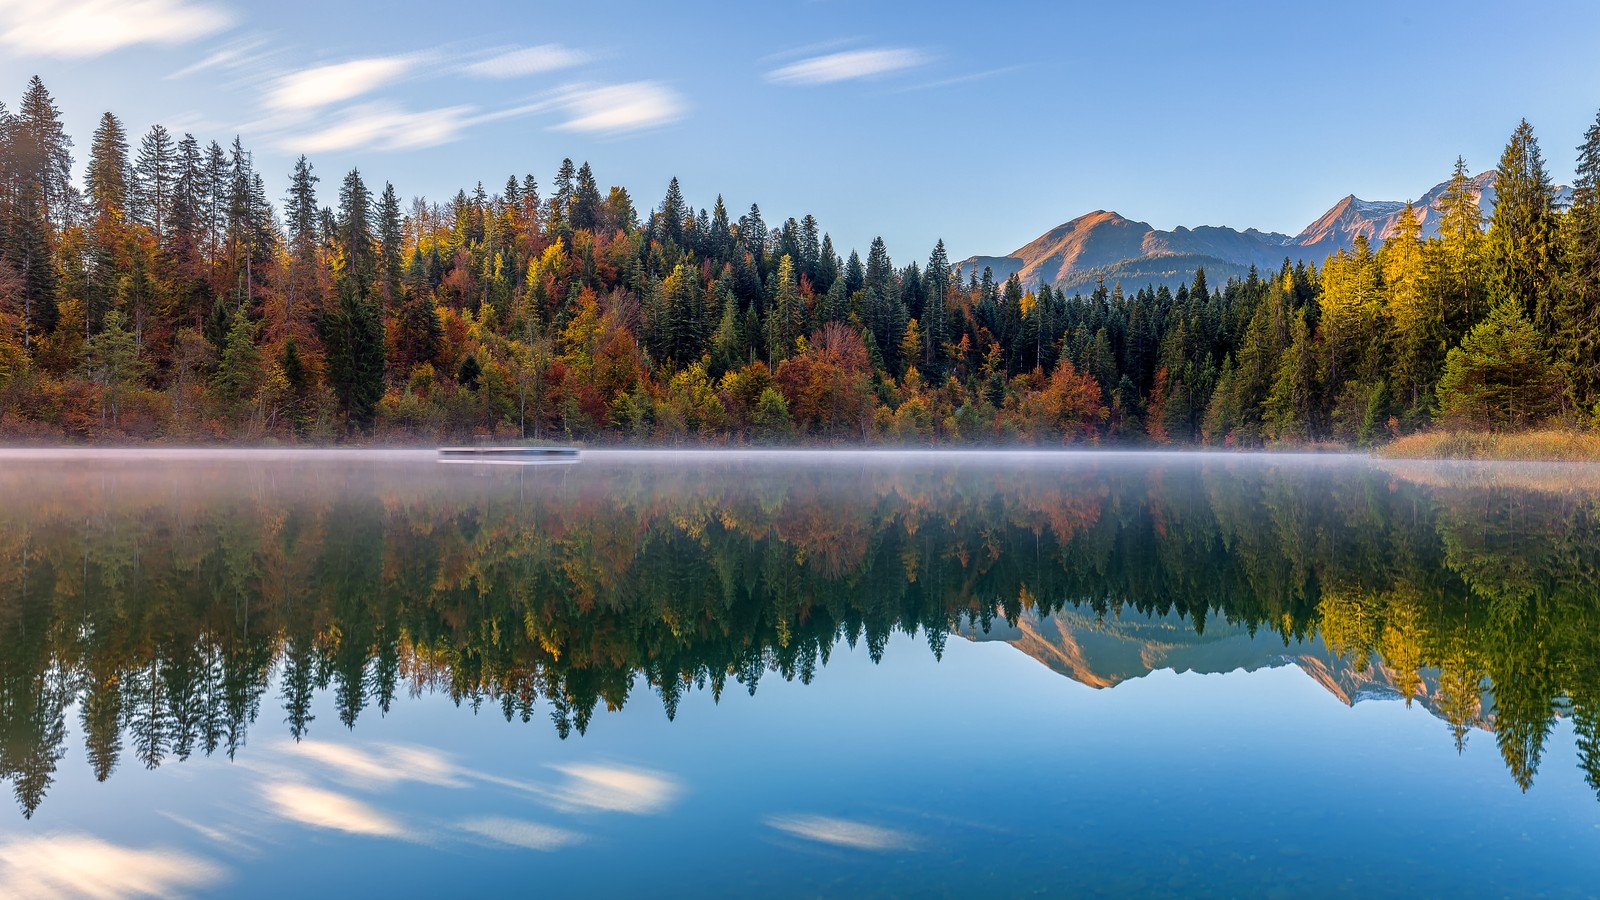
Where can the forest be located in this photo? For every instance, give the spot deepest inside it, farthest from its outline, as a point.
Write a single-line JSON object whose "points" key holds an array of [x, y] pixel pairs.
{"points": [[168, 298], [157, 617]]}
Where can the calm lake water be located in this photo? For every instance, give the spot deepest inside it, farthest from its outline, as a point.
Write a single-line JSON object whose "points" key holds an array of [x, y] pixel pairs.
{"points": [[797, 675]]}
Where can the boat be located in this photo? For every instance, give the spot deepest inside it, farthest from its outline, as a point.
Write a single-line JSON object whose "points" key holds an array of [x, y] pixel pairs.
{"points": [[516, 455]]}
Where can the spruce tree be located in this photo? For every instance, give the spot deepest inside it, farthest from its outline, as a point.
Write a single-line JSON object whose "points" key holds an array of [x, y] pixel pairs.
{"points": [[935, 319], [389, 248], [1521, 240], [155, 175], [1500, 376], [787, 320], [1577, 314], [1459, 254], [303, 220], [106, 188]]}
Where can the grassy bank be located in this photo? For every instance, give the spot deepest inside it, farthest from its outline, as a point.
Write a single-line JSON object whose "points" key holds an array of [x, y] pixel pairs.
{"points": [[1553, 445]]}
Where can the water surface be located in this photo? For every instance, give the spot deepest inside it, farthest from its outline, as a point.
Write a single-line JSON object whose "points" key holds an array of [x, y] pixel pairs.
{"points": [[798, 674]]}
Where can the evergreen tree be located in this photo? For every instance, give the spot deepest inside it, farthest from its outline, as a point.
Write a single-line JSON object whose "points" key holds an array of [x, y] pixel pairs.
{"points": [[1577, 313], [935, 318], [787, 320], [1500, 376], [585, 214], [389, 248], [155, 180], [1460, 254], [1521, 239], [303, 219], [106, 187]]}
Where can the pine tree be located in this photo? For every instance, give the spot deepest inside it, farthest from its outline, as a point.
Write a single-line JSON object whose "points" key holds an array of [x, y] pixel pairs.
{"points": [[559, 219], [42, 153], [111, 360], [40, 166], [155, 174], [239, 367], [585, 213], [1500, 376], [787, 320], [106, 184], [882, 312], [389, 248], [1521, 239], [935, 319], [752, 238], [357, 263], [106, 181], [1577, 314], [1460, 254], [1415, 321], [352, 331], [302, 217]]}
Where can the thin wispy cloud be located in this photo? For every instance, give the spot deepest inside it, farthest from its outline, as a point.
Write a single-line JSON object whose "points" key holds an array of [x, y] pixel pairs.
{"points": [[847, 65], [842, 833], [321, 808], [527, 61], [616, 109], [314, 88], [808, 49], [959, 79], [383, 765], [614, 789], [382, 127], [84, 28], [82, 865], [519, 833], [231, 56]]}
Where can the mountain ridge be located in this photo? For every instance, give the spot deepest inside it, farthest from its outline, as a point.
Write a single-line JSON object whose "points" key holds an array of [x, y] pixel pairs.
{"points": [[1107, 245]]}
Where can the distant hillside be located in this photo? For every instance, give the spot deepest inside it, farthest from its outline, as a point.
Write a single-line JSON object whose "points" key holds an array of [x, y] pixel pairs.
{"points": [[1107, 245]]}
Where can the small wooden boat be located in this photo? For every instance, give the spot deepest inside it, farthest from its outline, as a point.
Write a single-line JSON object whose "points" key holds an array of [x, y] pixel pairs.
{"points": [[508, 454]]}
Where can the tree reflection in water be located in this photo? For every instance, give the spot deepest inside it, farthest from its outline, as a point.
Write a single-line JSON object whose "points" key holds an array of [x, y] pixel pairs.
{"points": [[161, 603]]}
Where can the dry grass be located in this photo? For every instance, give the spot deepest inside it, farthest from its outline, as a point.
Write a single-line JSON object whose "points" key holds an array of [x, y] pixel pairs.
{"points": [[1552, 445]]}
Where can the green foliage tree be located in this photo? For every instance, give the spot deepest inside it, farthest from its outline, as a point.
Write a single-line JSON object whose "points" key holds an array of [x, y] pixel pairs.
{"points": [[1500, 377]]}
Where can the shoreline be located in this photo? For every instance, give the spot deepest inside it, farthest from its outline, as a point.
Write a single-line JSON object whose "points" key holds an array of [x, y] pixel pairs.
{"points": [[1541, 446], [1550, 445]]}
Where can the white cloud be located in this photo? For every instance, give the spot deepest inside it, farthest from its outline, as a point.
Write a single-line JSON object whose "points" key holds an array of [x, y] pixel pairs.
{"points": [[528, 61], [618, 108], [842, 832], [846, 66], [80, 865], [325, 809], [318, 87], [234, 56], [383, 127], [80, 28], [614, 789], [518, 833], [384, 765]]}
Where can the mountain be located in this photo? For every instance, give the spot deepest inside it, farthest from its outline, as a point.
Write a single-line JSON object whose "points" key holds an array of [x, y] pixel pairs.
{"points": [[1106, 245], [1104, 652]]}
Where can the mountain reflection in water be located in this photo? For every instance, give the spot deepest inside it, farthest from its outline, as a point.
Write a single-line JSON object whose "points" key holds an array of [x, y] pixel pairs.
{"points": [[165, 605]]}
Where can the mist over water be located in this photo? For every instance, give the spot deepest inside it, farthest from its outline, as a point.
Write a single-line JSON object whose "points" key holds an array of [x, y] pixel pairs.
{"points": [[801, 672]]}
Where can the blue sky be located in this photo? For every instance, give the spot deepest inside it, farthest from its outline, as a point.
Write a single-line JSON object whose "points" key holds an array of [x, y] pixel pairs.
{"points": [[984, 124]]}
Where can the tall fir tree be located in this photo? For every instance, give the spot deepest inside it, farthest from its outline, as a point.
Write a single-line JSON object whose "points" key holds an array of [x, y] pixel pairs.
{"points": [[1521, 240]]}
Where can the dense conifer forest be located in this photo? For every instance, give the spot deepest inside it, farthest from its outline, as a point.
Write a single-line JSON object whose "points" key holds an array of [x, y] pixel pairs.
{"points": [[169, 297]]}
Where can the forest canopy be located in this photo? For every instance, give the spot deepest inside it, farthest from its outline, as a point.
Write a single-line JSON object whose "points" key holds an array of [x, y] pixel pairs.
{"points": [[166, 296]]}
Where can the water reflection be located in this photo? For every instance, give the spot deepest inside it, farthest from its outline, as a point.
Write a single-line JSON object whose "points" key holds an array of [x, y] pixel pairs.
{"points": [[165, 606]]}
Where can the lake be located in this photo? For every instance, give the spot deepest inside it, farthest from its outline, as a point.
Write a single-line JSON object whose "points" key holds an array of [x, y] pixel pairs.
{"points": [[798, 674]]}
